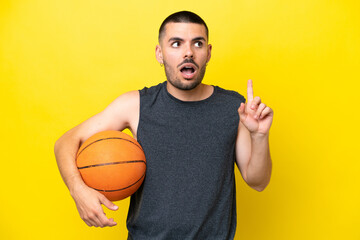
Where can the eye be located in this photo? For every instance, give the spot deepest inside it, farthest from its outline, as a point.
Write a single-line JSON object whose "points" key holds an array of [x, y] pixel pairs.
{"points": [[175, 44], [198, 44]]}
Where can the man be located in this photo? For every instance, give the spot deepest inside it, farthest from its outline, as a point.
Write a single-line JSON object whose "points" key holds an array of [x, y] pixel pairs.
{"points": [[191, 134]]}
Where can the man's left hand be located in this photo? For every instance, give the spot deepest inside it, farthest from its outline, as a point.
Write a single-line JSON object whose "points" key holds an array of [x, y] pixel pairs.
{"points": [[255, 115]]}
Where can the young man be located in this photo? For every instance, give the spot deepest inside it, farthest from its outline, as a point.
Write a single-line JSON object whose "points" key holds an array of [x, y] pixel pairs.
{"points": [[191, 133]]}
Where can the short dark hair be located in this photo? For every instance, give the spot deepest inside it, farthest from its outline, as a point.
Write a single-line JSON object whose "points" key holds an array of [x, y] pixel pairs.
{"points": [[182, 17]]}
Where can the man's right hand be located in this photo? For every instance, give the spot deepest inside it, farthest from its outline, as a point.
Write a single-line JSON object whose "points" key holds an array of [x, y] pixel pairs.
{"points": [[122, 113], [88, 202]]}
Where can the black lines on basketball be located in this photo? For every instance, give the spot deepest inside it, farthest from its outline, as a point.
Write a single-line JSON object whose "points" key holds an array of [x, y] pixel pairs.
{"points": [[112, 163], [121, 189], [102, 139]]}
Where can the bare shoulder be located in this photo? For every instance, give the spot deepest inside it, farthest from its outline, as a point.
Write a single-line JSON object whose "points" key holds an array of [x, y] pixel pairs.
{"points": [[125, 101], [126, 108], [120, 114]]}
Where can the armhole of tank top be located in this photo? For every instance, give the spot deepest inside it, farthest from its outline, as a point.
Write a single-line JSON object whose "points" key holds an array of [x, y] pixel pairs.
{"points": [[143, 91], [139, 119], [242, 99]]}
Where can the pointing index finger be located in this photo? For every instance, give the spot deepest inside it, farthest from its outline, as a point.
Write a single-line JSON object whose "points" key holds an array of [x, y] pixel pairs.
{"points": [[250, 93]]}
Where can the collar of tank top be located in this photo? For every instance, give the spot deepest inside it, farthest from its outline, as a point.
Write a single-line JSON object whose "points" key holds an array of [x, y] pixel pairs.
{"points": [[190, 102]]}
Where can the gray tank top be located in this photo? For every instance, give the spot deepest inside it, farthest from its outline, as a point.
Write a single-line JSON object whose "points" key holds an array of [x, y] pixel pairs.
{"points": [[189, 188]]}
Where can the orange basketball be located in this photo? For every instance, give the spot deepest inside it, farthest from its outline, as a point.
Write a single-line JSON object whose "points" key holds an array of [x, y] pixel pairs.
{"points": [[112, 163]]}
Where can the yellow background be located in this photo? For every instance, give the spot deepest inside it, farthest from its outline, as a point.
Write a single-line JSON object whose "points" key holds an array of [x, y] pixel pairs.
{"points": [[63, 61]]}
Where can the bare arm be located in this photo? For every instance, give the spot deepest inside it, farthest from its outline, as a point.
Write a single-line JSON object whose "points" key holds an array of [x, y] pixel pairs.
{"points": [[253, 158], [120, 114], [252, 144]]}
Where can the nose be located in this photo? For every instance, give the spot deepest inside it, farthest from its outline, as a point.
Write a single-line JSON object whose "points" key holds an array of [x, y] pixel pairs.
{"points": [[189, 52]]}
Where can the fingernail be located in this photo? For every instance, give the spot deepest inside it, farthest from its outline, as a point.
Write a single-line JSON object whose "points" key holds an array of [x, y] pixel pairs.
{"points": [[115, 207], [252, 106], [255, 116]]}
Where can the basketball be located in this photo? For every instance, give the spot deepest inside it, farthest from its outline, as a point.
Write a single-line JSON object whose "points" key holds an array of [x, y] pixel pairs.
{"points": [[112, 163]]}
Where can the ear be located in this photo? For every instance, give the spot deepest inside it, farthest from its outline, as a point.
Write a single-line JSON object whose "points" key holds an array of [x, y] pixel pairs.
{"points": [[159, 56], [209, 53]]}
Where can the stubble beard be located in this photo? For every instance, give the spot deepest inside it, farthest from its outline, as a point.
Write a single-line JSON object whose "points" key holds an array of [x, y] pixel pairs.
{"points": [[188, 84]]}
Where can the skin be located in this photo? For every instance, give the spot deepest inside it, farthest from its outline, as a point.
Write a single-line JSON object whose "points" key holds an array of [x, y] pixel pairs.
{"points": [[252, 143], [181, 42], [184, 42]]}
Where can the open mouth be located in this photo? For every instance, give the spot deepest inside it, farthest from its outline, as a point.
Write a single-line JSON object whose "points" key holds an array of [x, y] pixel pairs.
{"points": [[188, 71]]}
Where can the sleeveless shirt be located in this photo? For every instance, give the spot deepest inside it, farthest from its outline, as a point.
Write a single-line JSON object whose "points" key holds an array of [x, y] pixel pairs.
{"points": [[189, 188]]}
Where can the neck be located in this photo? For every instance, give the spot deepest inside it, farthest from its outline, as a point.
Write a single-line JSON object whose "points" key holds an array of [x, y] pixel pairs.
{"points": [[200, 92]]}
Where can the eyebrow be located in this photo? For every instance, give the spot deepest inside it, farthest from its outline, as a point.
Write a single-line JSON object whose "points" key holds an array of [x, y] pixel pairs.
{"points": [[199, 39], [180, 39], [175, 39]]}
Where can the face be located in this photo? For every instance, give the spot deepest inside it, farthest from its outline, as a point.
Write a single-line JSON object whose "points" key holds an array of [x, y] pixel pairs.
{"points": [[184, 51]]}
